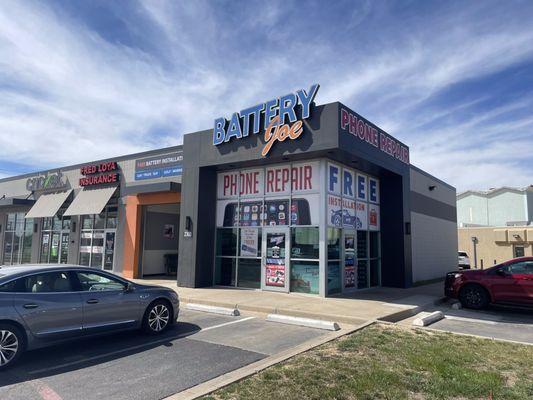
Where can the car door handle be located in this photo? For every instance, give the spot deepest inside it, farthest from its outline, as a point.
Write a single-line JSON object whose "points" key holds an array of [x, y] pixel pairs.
{"points": [[29, 306], [92, 301]]}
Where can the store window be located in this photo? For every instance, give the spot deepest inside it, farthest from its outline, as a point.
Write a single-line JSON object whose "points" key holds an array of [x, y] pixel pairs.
{"points": [[18, 238], [518, 251], [98, 236], [55, 239]]}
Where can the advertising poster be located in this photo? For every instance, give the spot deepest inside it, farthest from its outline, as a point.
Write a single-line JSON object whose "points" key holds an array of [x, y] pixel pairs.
{"points": [[334, 178], [228, 185], [348, 183], [276, 212], [169, 231], [334, 214], [349, 218], [227, 213], [251, 182], [250, 212], [373, 190], [304, 277], [249, 242], [361, 189], [275, 272], [362, 215], [349, 274], [373, 217], [334, 277], [305, 209], [159, 166]]}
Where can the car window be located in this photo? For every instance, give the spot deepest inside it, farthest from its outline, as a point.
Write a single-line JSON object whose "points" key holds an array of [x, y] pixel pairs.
{"points": [[462, 254], [47, 282], [8, 287], [91, 281], [522, 267]]}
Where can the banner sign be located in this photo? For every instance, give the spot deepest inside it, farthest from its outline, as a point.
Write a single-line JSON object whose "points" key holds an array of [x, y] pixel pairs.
{"points": [[275, 180], [274, 116], [159, 166], [249, 242], [372, 135]]}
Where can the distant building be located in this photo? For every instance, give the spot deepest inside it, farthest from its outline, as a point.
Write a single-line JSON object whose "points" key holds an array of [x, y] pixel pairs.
{"points": [[503, 206], [495, 225]]}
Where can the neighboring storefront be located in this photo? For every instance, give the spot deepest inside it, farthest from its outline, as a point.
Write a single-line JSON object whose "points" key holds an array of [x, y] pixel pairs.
{"points": [[78, 214], [284, 196]]}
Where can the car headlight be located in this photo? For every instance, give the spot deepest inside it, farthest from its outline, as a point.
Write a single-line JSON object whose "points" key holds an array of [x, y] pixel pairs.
{"points": [[457, 276]]}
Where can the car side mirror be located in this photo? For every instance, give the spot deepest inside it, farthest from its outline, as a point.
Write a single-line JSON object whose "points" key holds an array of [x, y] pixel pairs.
{"points": [[129, 287]]}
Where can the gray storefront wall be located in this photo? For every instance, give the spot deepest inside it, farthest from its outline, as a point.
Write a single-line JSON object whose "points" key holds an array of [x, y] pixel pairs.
{"points": [[19, 199]]}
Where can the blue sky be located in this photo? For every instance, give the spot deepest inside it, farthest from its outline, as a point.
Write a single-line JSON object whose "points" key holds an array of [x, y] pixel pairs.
{"points": [[83, 80]]}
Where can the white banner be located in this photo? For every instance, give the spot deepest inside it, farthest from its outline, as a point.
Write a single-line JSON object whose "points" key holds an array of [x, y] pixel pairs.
{"points": [[362, 215], [249, 242]]}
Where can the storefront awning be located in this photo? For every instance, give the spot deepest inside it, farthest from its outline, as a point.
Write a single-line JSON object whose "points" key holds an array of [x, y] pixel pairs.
{"points": [[15, 202], [47, 205], [90, 201]]}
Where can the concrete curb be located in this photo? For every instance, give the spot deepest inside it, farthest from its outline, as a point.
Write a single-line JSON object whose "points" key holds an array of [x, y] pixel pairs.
{"points": [[308, 322], [213, 309], [272, 310], [243, 372], [410, 312], [429, 319]]}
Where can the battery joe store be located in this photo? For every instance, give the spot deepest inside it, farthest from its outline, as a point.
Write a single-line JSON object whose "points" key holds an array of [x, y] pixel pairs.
{"points": [[284, 196]]}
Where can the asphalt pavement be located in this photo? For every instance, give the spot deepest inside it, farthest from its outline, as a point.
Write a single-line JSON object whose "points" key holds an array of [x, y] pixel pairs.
{"points": [[497, 322], [132, 365]]}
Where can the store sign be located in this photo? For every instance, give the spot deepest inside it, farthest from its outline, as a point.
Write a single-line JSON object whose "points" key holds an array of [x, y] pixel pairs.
{"points": [[371, 135], [159, 166], [48, 181], [274, 180], [276, 116], [99, 174]]}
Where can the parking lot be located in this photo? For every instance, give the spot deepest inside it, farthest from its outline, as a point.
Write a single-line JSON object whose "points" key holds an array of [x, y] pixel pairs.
{"points": [[132, 365], [498, 322]]}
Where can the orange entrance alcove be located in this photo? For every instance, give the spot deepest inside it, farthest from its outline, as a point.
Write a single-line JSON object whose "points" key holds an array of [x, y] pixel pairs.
{"points": [[132, 231]]}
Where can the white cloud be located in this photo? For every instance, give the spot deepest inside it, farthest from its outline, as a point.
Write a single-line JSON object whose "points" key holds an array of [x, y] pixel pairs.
{"points": [[73, 96]]}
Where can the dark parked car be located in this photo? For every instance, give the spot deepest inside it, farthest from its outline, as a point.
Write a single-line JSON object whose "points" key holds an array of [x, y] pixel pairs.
{"points": [[508, 283], [45, 305]]}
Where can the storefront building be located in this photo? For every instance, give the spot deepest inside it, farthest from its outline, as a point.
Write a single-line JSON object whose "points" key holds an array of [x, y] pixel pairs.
{"points": [[284, 196]]}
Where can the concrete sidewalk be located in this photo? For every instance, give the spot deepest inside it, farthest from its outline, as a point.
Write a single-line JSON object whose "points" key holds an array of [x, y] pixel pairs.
{"points": [[386, 304]]}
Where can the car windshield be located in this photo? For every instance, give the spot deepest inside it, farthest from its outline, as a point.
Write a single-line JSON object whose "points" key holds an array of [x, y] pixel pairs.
{"points": [[462, 254]]}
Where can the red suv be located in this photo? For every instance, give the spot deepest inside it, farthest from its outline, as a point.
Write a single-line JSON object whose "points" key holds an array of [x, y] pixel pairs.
{"points": [[510, 282]]}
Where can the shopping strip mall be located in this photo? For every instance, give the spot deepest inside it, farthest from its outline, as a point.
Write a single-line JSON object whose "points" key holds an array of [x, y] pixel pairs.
{"points": [[284, 196]]}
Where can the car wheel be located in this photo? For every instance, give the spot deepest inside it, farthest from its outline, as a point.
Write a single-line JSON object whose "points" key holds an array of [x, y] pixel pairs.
{"points": [[157, 317], [474, 296], [11, 345]]}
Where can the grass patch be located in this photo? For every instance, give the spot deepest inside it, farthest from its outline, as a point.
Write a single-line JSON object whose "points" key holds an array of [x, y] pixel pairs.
{"points": [[388, 362]]}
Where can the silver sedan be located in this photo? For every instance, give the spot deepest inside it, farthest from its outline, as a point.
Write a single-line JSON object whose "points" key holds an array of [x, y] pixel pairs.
{"points": [[46, 305]]}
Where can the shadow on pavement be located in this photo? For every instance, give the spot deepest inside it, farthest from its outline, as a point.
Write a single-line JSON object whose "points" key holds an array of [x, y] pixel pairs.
{"points": [[88, 352]]}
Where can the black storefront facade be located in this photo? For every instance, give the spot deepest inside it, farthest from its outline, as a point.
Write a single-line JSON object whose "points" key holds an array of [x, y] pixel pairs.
{"points": [[325, 212]]}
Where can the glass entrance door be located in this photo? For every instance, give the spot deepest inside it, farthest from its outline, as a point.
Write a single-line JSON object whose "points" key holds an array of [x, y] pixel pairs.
{"points": [[275, 259]]}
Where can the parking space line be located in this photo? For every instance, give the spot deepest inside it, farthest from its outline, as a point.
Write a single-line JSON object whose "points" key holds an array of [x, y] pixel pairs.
{"points": [[225, 324], [481, 321], [139, 346]]}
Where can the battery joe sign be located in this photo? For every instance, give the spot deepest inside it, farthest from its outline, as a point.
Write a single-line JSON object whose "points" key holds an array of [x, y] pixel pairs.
{"points": [[278, 116]]}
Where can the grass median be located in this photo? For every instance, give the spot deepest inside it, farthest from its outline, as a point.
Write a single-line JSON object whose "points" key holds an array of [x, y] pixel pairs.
{"points": [[388, 362]]}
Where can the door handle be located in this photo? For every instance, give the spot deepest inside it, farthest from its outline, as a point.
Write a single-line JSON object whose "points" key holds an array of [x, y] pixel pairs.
{"points": [[92, 301], [29, 306]]}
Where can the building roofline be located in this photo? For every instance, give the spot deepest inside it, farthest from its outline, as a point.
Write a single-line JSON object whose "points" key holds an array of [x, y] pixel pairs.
{"points": [[495, 191], [432, 177], [74, 166]]}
